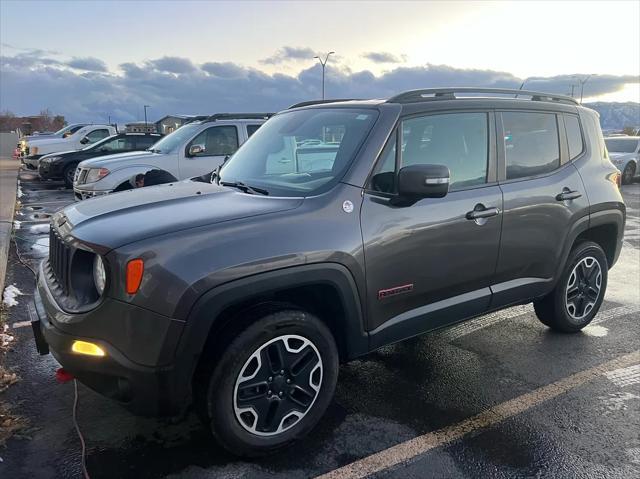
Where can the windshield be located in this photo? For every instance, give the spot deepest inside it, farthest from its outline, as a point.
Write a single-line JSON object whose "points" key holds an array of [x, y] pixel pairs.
{"points": [[69, 128], [175, 139], [300, 153], [621, 145]]}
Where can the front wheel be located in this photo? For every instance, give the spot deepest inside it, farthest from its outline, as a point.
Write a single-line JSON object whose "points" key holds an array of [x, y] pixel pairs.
{"points": [[627, 174], [68, 174], [577, 297], [272, 384]]}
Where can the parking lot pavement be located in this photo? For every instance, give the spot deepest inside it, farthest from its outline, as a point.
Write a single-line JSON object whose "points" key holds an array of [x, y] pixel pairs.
{"points": [[500, 396]]}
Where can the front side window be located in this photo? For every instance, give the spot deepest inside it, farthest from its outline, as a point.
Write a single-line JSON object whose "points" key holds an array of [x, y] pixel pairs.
{"points": [[531, 143], [97, 135], [621, 145], [301, 152], [217, 141], [459, 141], [574, 135]]}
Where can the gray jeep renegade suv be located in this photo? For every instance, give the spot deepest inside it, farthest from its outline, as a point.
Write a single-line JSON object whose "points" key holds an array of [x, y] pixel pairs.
{"points": [[337, 228]]}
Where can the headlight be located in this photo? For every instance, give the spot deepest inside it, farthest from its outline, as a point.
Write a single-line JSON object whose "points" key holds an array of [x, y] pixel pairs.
{"points": [[49, 159], [96, 174], [99, 274]]}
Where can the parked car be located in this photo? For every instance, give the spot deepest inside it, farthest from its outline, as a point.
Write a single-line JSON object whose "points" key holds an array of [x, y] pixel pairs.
{"points": [[61, 133], [63, 165], [625, 154], [244, 294], [192, 150], [81, 138]]}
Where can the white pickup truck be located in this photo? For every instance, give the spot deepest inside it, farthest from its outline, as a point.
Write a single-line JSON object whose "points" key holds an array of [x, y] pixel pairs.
{"points": [[76, 141], [192, 150]]}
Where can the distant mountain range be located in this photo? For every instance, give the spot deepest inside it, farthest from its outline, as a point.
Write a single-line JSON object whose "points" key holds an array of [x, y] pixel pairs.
{"points": [[616, 116]]}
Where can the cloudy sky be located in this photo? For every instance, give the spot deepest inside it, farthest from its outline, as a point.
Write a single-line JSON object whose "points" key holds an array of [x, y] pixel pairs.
{"points": [[90, 59]]}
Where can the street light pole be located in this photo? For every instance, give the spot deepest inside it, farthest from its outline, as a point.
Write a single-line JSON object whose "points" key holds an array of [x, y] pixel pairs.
{"points": [[324, 64], [145, 116]]}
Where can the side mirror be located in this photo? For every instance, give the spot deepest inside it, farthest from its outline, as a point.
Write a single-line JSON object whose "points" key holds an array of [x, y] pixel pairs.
{"points": [[423, 181], [85, 140], [196, 150], [66, 134]]}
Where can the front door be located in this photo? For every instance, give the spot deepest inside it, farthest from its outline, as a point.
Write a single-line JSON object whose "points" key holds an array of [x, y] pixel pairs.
{"points": [[432, 262], [218, 141]]}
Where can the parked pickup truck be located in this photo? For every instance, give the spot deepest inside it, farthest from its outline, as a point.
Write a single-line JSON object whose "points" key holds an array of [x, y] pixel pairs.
{"points": [[76, 141], [63, 165], [61, 133], [192, 150]]}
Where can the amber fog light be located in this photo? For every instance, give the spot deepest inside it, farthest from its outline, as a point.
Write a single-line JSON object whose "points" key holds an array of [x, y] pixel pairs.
{"points": [[135, 270], [87, 348]]}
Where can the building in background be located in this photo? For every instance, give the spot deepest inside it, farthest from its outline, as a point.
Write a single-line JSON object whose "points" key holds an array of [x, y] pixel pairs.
{"points": [[169, 123]]}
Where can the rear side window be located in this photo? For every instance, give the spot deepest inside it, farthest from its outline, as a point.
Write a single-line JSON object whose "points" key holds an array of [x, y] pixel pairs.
{"points": [[531, 143], [251, 129], [574, 135], [144, 142]]}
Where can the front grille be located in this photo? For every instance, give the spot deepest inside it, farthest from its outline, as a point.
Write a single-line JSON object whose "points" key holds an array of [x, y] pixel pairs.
{"points": [[59, 259]]}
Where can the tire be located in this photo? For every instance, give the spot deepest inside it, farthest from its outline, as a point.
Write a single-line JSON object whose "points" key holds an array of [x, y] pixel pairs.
{"points": [[628, 173], [286, 345], [67, 175], [579, 293]]}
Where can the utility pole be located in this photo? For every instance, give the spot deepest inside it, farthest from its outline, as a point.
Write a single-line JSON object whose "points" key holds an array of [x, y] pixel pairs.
{"points": [[582, 82], [145, 116], [572, 89], [324, 64]]}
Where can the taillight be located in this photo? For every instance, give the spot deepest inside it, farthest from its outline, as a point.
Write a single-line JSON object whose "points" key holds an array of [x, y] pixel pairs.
{"points": [[135, 270], [615, 178]]}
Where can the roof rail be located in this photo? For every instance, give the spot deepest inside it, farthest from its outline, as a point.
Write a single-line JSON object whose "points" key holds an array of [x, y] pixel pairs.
{"points": [[429, 94], [238, 116], [319, 102]]}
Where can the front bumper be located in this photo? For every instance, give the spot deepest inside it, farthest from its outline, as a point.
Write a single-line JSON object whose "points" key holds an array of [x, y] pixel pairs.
{"points": [[49, 171], [31, 162], [80, 194], [148, 390]]}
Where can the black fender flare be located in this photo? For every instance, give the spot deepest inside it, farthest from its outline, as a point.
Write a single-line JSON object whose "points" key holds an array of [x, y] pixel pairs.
{"points": [[207, 309]]}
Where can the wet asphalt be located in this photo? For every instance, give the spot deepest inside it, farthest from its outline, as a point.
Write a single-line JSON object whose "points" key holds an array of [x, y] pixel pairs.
{"points": [[393, 395]]}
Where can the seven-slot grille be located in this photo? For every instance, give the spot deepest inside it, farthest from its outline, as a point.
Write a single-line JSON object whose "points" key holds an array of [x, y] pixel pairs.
{"points": [[59, 259], [80, 176]]}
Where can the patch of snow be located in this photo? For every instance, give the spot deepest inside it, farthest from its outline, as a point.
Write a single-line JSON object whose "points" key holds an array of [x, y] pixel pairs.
{"points": [[38, 229], [5, 339], [9, 295], [16, 224], [20, 194], [41, 245]]}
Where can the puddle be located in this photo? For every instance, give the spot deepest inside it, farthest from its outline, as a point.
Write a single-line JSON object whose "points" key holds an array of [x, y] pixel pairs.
{"points": [[33, 208], [41, 216]]}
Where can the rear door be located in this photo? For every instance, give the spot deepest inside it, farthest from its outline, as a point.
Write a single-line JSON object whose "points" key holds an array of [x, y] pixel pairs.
{"points": [[432, 263], [543, 199], [219, 141]]}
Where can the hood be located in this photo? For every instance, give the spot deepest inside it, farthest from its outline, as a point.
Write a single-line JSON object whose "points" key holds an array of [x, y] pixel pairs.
{"points": [[47, 141], [119, 159], [117, 219], [58, 153]]}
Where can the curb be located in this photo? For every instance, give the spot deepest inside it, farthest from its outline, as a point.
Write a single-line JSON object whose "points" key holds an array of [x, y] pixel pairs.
{"points": [[8, 190]]}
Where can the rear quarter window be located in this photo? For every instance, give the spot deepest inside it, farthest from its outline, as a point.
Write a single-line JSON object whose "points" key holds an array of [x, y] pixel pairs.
{"points": [[574, 136]]}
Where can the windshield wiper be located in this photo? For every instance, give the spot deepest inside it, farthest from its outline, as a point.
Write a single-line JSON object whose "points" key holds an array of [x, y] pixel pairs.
{"points": [[244, 188]]}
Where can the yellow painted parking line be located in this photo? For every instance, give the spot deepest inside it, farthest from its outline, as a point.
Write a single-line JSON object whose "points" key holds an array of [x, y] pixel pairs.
{"points": [[408, 450]]}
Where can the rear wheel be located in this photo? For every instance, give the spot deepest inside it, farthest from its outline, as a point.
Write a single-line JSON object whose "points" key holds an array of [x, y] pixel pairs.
{"points": [[68, 174], [577, 297], [272, 384], [628, 173]]}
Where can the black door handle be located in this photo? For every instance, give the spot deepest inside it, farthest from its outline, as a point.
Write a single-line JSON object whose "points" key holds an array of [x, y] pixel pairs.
{"points": [[568, 195], [481, 212]]}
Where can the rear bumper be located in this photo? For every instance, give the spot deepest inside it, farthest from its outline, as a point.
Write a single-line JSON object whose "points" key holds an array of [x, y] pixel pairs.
{"points": [[144, 390]]}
